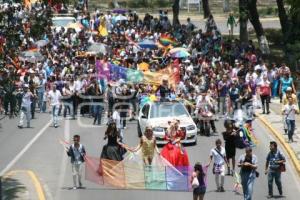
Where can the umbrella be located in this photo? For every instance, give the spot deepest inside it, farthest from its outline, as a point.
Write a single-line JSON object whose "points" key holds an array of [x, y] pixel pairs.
{"points": [[119, 11], [31, 56], [97, 48], [121, 18], [148, 44], [143, 66], [179, 53], [178, 49], [41, 43]]}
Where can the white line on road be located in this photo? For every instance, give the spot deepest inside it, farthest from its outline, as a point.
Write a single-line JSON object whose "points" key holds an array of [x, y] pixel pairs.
{"points": [[63, 166], [23, 151]]}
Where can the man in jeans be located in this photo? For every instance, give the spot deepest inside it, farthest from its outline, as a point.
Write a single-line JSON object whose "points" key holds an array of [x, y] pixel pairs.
{"points": [[248, 165], [77, 153], [223, 87], [219, 156], [274, 159], [25, 107], [55, 98]]}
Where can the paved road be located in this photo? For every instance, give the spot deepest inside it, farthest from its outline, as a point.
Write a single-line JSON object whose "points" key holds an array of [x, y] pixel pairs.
{"points": [[47, 159], [222, 25]]}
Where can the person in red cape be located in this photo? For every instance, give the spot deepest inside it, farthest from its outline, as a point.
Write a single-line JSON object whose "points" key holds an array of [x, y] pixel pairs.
{"points": [[173, 151]]}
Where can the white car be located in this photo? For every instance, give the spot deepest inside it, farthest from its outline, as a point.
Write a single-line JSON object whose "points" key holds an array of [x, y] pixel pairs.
{"points": [[62, 21], [158, 114]]}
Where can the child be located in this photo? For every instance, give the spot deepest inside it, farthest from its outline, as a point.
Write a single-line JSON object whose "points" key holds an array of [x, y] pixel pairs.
{"points": [[148, 145]]}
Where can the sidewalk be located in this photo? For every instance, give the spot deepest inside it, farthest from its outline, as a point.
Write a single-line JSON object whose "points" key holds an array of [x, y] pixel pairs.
{"points": [[275, 120]]}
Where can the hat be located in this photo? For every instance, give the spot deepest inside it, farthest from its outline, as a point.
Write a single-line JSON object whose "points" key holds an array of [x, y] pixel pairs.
{"points": [[26, 86], [289, 89]]}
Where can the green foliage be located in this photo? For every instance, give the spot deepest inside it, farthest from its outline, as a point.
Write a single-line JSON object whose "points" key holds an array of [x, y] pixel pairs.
{"points": [[274, 36]]}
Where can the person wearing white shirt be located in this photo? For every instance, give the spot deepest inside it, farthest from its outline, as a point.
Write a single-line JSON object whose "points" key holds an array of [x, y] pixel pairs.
{"points": [[117, 119], [290, 110], [54, 99], [25, 107], [218, 155]]}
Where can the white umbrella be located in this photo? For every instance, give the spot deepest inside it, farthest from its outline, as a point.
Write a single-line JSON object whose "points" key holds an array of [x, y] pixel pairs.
{"points": [[121, 18]]}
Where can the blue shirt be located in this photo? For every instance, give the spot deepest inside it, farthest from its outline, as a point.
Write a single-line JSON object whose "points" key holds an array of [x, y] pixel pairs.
{"points": [[272, 158]]}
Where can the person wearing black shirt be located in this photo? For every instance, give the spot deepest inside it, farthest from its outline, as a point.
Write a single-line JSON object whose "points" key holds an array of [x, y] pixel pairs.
{"points": [[230, 149], [164, 90]]}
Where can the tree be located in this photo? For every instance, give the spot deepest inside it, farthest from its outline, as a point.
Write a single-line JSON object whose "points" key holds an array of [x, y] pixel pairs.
{"points": [[290, 26], [243, 21], [176, 8], [206, 9], [260, 34]]}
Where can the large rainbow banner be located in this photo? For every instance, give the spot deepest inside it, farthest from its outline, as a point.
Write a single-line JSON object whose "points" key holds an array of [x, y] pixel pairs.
{"points": [[112, 72], [131, 173]]}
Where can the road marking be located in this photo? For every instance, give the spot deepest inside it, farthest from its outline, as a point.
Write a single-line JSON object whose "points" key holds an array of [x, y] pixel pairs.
{"points": [[23, 151], [63, 166], [37, 184]]}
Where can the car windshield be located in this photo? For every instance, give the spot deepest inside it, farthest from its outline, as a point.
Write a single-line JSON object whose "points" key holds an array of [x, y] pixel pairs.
{"points": [[62, 22], [168, 110]]}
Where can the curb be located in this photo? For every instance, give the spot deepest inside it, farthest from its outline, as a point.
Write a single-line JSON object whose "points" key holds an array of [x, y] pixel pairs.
{"points": [[287, 148], [37, 184]]}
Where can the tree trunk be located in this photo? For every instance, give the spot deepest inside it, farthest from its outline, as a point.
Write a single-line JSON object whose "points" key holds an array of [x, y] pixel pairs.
{"points": [[226, 7], [175, 8], [260, 34], [206, 9], [284, 20], [243, 21]]}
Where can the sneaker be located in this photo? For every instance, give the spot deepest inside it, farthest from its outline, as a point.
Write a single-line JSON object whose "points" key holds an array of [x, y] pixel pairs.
{"points": [[20, 127], [218, 189], [74, 188], [80, 185], [222, 189], [55, 125], [270, 196]]}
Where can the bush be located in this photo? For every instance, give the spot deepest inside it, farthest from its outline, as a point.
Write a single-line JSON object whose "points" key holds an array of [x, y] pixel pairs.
{"points": [[274, 36]]}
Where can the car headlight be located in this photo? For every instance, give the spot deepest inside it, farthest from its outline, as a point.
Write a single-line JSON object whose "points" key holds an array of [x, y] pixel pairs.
{"points": [[190, 127], [158, 129]]}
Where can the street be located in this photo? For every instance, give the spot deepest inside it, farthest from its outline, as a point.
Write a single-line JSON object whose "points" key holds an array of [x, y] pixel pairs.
{"points": [[46, 157]]}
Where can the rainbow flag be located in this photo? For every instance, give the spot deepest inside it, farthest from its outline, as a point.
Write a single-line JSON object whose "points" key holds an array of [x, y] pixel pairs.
{"points": [[131, 173], [166, 40], [113, 73]]}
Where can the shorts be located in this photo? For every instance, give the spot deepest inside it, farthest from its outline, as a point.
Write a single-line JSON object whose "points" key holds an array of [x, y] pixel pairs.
{"points": [[199, 190]]}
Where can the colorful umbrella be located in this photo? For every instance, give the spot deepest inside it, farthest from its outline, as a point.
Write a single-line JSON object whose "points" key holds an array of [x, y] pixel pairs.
{"points": [[148, 44], [179, 53]]}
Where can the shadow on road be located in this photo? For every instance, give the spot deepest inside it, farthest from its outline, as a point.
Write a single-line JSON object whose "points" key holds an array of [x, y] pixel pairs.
{"points": [[12, 189]]}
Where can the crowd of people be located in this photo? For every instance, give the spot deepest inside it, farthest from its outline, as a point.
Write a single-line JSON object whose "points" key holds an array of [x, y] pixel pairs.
{"points": [[225, 75]]}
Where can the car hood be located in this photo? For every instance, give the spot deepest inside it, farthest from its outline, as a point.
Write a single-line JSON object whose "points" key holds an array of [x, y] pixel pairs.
{"points": [[163, 121]]}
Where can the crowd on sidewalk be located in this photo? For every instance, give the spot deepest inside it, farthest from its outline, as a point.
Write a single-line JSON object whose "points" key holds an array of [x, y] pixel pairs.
{"points": [[58, 77]]}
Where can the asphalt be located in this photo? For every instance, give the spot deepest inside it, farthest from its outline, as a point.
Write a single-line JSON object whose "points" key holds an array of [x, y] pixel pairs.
{"points": [[47, 159]]}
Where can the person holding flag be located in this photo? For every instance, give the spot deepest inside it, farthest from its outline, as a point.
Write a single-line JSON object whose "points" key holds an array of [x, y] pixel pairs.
{"points": [[77, 154]]}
